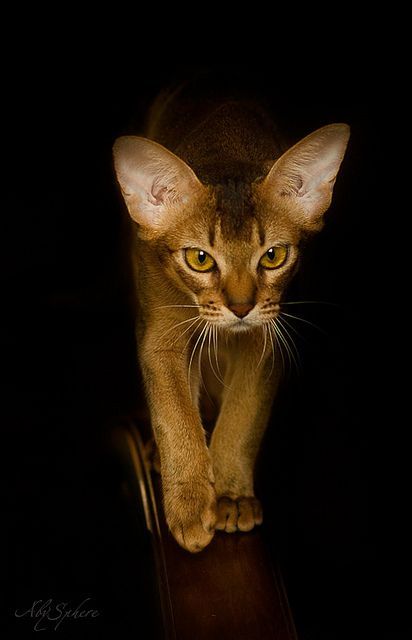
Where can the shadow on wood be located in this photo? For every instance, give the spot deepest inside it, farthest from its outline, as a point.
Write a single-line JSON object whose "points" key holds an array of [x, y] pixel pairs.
{"points": [[228, 590]]}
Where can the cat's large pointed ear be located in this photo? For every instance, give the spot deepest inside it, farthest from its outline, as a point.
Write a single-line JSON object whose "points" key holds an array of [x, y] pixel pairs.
{"points": [[306, 173], [152, 179]]}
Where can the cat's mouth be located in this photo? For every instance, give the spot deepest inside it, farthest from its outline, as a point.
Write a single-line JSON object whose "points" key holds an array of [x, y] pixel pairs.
{"points": [[248, 324], [228, 320], [243, 325]]}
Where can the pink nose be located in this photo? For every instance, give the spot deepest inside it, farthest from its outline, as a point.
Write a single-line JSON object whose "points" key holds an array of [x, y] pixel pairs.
{"points": [[241, 310]]}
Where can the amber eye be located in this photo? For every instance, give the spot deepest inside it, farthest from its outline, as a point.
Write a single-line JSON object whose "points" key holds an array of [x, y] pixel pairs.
{"points": [[274, 257], [199, 260]]}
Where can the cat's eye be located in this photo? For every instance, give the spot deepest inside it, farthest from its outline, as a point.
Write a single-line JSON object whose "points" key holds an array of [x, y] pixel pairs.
{"points": [[199, 260], [274, 258]]}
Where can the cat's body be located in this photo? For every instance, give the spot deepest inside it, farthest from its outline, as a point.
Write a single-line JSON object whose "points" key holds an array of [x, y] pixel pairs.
{"points": [[220, 138], [220, 225]]}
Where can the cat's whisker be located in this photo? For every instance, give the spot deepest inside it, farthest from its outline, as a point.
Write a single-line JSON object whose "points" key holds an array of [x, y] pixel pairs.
{"points": [[315, 326], [196, 327], [211, 336], [282, 344], [179, 306], [216, 345], [272, 327], [268, 329], [289, 341], [206, 336], [264, 331], [177, 325], [285, 343], [332, 304], [208, 350], [196, 322], [280, 347], [292, 328], [200, 356], [193, 353], [293, 344]]}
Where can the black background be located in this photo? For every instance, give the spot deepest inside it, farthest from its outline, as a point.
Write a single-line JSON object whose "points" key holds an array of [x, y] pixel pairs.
{"points": [[68, 346]]}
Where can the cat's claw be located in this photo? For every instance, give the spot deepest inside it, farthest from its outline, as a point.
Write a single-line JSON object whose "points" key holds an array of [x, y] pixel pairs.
{"points": [[191, 514], [240, 514]]}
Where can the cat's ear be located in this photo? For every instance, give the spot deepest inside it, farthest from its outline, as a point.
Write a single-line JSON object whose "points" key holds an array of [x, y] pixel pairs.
{"points": [[152, 180], [306, 173]]}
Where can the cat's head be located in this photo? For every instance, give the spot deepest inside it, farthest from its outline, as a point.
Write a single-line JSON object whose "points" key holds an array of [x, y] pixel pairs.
{"points": [[233, 247]]}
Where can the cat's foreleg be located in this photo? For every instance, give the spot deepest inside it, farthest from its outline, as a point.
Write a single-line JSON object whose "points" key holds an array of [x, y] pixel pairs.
{"points": [[245, 410], [186, 470]]}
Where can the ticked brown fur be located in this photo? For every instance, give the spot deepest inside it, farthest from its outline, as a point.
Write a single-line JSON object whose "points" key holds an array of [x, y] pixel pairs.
{"points": [[215, 177]]}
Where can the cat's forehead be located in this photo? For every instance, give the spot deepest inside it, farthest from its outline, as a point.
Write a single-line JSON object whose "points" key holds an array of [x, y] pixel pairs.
{"points": [[231, 218], [241, 217], [235, 213]]}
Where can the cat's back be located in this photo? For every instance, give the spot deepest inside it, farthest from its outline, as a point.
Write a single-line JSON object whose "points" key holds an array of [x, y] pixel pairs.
{"points": [[221, 133]]}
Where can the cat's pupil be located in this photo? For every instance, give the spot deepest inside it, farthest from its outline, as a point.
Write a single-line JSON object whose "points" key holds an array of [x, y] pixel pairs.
{"points": [[271, 254], [202, 257]]}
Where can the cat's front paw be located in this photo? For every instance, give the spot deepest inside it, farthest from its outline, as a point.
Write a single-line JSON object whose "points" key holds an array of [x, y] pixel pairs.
{"points": [[191, 513], [240, 514]]}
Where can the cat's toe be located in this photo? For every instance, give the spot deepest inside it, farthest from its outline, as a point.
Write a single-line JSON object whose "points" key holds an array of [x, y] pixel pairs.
{"points": [[191, 515], [227, 515], [250, 513], [193, 537], [241, 514]]}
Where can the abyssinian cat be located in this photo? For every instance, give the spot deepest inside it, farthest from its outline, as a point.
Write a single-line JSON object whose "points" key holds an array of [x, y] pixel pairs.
{"points": [[221, 209]]}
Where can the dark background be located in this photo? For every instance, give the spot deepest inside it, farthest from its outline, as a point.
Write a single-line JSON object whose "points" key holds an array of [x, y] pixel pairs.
{"points": [[68, 346]]}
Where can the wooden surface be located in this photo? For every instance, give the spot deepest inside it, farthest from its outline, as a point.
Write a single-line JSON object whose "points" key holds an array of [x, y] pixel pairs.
{"points": [[229, 590]]}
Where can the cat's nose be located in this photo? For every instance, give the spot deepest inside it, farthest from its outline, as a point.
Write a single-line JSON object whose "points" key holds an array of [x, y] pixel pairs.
{"points": [[241, 310]]}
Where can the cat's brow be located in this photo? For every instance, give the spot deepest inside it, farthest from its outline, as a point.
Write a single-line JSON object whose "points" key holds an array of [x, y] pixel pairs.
{"points": [[212, 234], [261, 232], [235, 208]]}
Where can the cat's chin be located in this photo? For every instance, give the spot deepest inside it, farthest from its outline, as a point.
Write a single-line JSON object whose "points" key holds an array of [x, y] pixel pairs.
{"points": [[240, 327]]}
